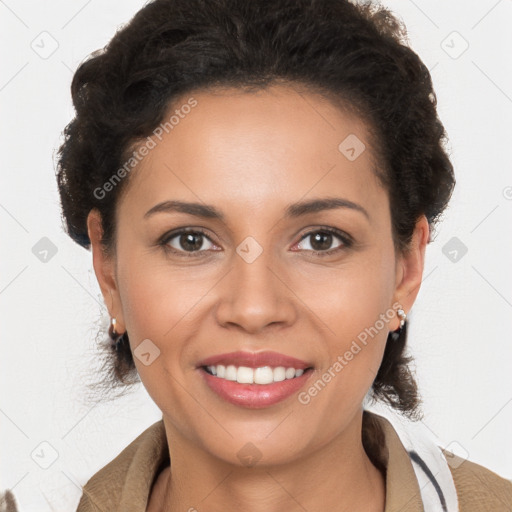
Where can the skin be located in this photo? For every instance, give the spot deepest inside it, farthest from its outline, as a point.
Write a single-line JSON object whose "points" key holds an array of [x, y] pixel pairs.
{"points": [[251, 155]]}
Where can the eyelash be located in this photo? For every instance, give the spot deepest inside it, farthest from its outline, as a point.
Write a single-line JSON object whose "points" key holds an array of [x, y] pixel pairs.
{"points": [[345, 239]]}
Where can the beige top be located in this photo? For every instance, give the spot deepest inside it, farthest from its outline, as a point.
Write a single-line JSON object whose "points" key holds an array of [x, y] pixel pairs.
{"points": [[125, 483]]}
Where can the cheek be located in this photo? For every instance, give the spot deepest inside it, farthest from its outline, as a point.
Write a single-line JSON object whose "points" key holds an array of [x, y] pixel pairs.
{"points": [[154, 306], [354, 304], [158, 306], [156, 298], [354, 298], [161, 304]]}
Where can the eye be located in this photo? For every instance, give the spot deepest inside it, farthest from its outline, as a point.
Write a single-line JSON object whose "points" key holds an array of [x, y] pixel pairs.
{"points": [[321, 240], [191, 241], [194, 242]]}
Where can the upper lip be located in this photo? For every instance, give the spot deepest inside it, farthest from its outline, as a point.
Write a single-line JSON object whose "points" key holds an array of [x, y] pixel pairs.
{"points": [[255, 360]]}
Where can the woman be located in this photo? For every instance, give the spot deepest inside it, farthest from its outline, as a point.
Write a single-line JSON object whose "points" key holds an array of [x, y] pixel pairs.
{"points": [[258, 183]]}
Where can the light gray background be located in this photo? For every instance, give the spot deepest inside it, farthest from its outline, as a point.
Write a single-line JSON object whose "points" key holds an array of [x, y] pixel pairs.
{"points": [[460, 325]]}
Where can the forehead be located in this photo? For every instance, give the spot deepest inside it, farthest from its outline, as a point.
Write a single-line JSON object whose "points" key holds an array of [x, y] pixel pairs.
{"points": [[254, 149]]}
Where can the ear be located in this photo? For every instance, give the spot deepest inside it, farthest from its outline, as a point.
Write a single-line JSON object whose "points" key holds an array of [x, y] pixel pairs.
{"points": [[104, 268], [409, 268]]}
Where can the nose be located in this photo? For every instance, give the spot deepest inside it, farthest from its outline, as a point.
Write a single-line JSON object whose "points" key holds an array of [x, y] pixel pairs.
{"points": [[255, 296]]}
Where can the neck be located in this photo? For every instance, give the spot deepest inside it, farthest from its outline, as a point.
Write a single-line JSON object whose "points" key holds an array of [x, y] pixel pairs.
{"points": [[338, 476]]}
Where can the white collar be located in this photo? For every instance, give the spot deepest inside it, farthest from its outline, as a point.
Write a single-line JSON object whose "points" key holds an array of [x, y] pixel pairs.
{"points": [[432, 471]]}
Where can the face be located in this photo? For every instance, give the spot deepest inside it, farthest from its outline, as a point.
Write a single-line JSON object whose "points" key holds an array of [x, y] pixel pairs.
{"points": [[259, 276]]}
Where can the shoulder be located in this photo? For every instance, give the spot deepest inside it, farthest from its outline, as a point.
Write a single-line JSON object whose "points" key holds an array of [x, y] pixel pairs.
{"points": [[129, 475], [479, 488]]}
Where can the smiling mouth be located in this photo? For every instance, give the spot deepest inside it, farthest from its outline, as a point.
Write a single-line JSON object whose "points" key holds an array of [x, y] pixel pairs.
{"points": [[255, 379], [262, 375]]}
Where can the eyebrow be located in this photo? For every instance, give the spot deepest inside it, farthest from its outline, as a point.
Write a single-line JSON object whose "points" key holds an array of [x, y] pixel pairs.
{"points": [[292, 211]]}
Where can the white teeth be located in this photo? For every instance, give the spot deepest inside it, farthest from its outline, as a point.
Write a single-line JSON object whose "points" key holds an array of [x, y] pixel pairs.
{"points": [[245, 375], [261, 375], [290, 373], [230, 372], [279, 374]]}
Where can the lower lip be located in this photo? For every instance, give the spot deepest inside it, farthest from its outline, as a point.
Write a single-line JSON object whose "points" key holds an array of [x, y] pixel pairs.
{"points": [[254, 396]]}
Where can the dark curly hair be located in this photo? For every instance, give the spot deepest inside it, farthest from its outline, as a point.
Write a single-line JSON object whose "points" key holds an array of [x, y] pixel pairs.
{"points": [[357, 56]]}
